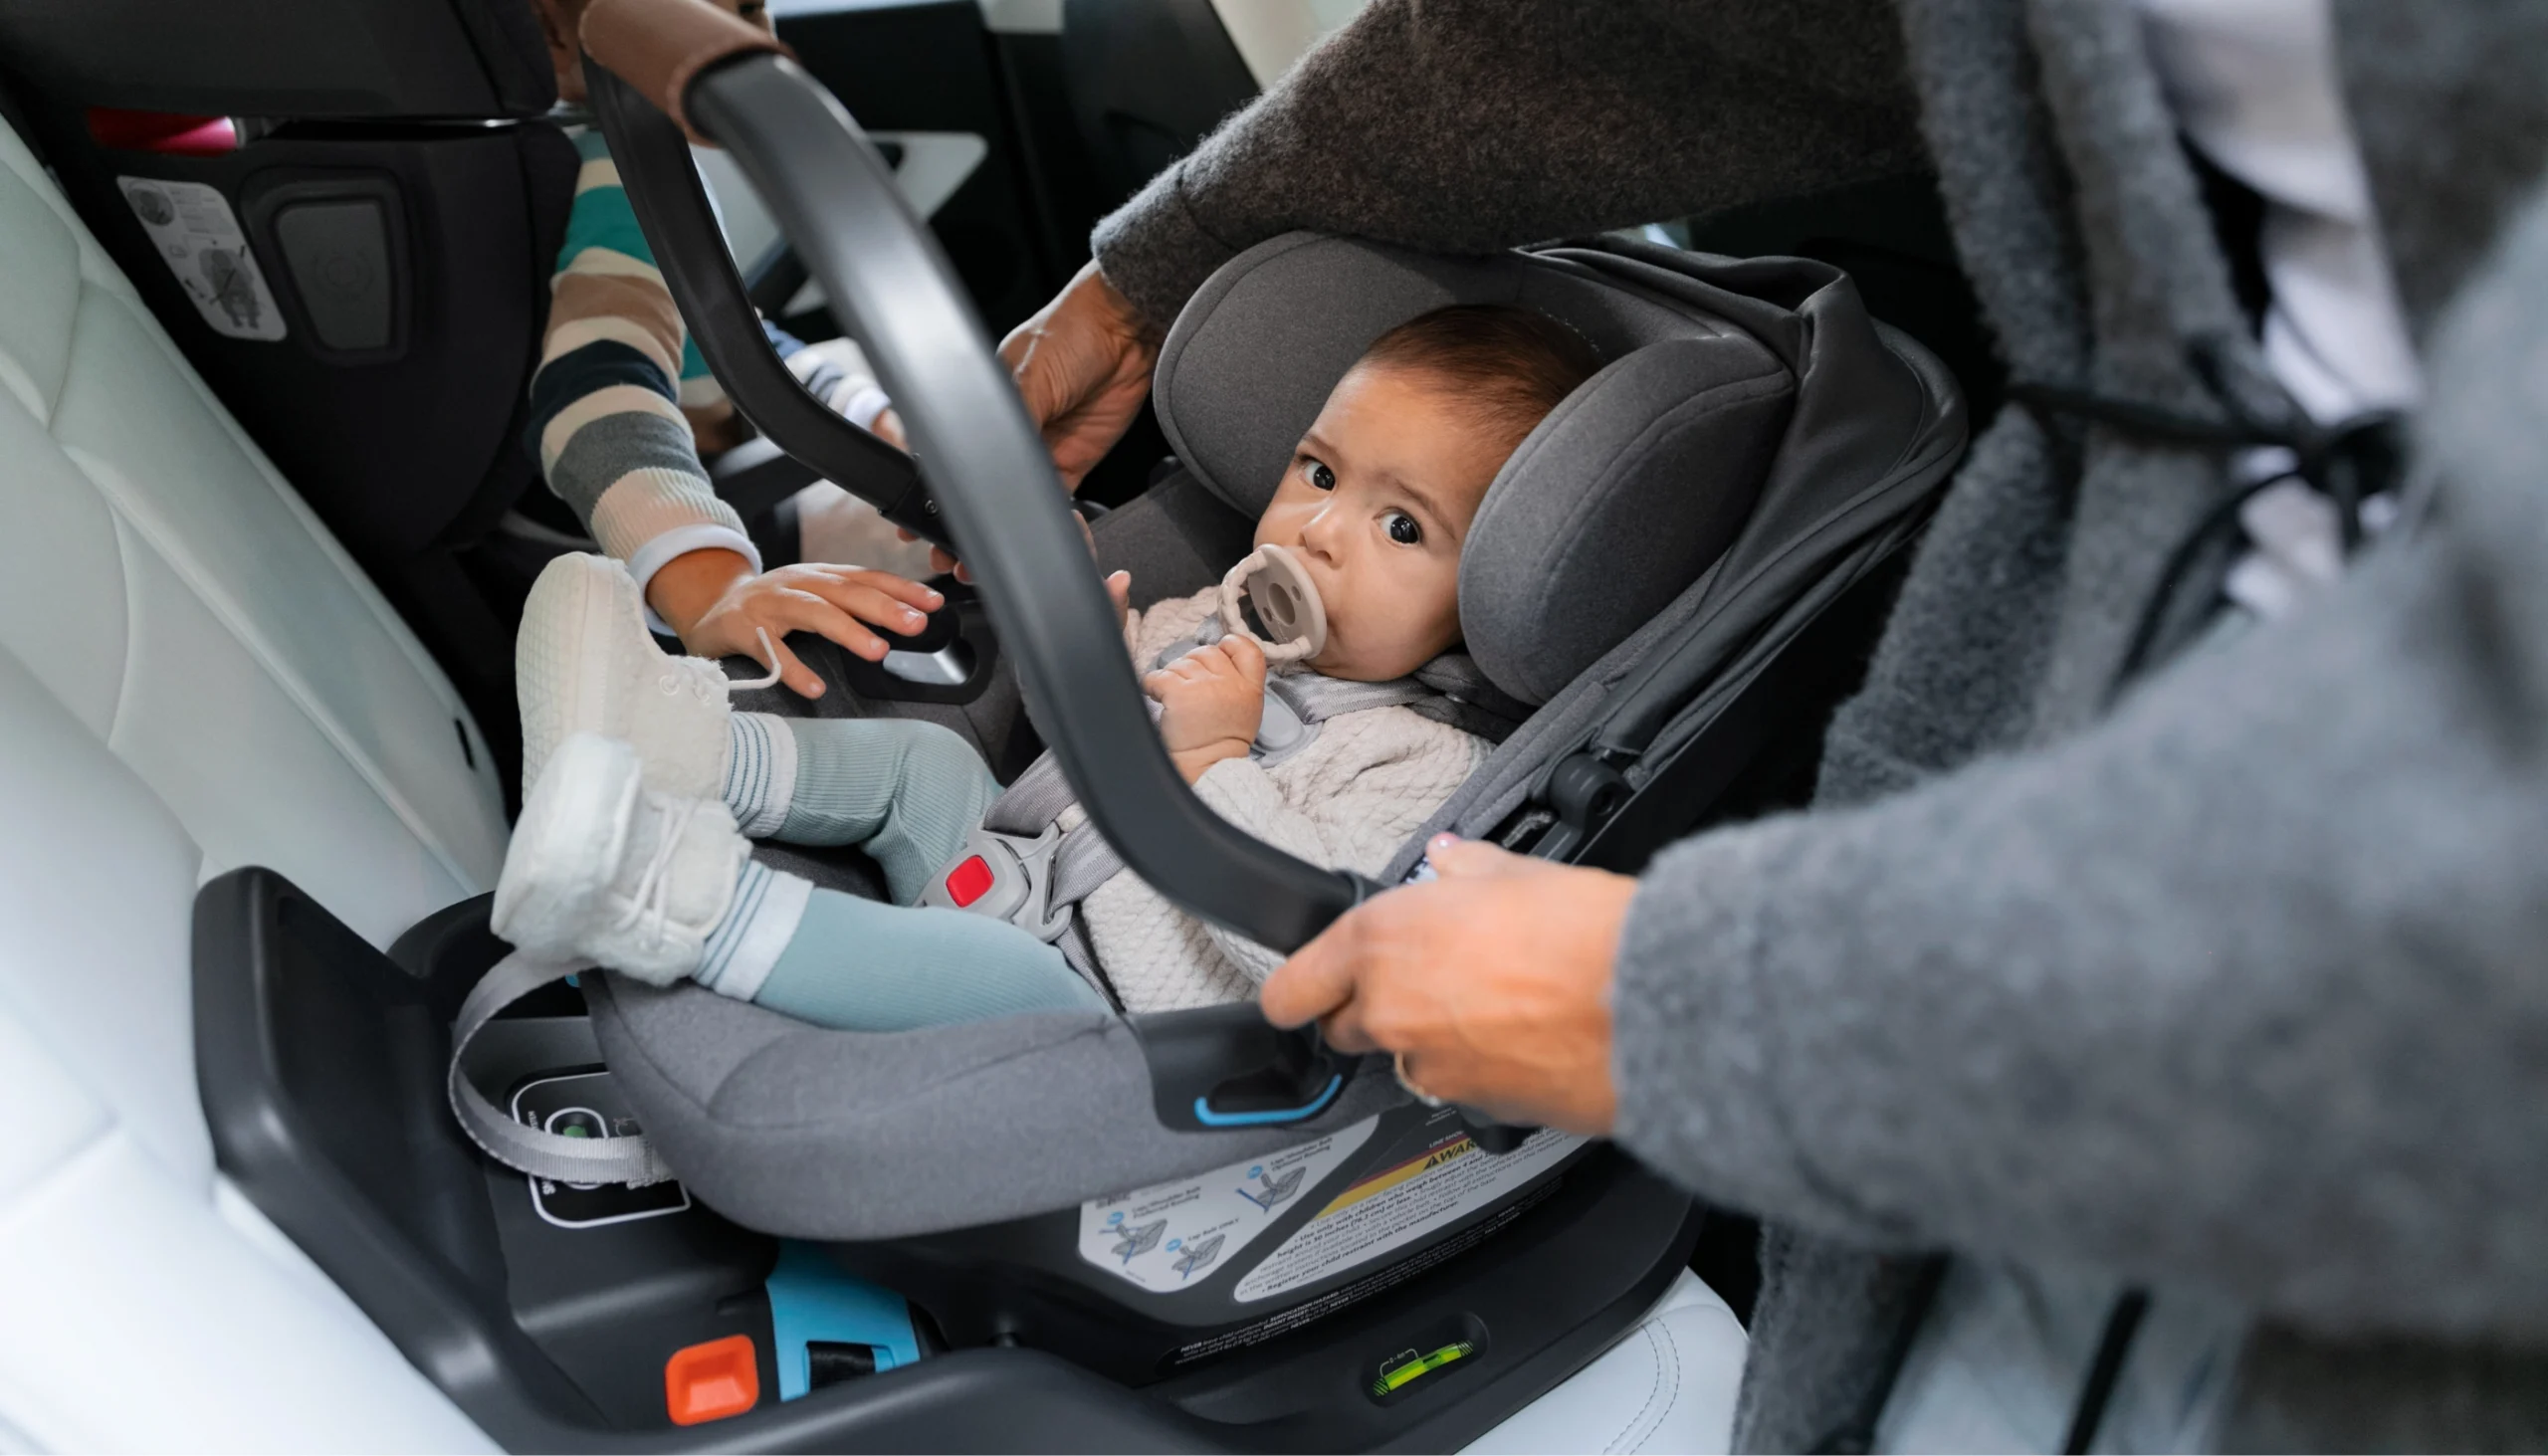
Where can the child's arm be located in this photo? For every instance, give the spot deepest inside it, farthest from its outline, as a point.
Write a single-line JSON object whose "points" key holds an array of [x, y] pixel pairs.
{"points": [[622, 407], [607, 424]]}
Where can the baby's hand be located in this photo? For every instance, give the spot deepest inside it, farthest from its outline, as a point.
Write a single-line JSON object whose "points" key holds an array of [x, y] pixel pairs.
{"points": [[1214, 699], [838, 602]]}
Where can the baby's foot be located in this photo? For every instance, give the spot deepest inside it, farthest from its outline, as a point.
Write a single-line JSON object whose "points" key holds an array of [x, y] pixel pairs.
{"points": [[584, 662], [604, 869]]}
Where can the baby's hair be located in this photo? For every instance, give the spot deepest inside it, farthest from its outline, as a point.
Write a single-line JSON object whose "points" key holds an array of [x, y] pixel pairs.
{"points": [[1508, 365]]}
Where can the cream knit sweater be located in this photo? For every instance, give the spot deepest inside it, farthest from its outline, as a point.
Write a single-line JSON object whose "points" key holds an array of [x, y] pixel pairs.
{"points": [[1348, 800]]}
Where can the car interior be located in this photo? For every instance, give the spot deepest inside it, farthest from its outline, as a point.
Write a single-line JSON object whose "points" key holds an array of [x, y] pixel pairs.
{"points": [[276, 282]]}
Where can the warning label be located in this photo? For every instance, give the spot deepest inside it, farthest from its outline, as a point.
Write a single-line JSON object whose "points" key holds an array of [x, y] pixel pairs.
{"points": [[198, 237], [1442, 1178], [1167, 1236]]}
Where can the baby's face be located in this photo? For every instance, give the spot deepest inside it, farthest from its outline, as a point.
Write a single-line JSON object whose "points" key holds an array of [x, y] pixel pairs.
{"points": [[1376, 504]]}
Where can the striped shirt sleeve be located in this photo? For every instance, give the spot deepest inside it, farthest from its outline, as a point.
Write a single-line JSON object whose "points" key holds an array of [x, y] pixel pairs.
{"points": [[621, 396]]}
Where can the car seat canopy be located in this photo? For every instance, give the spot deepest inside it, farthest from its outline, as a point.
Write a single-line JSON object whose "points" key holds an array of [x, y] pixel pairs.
{"points": [[1612, 506]]}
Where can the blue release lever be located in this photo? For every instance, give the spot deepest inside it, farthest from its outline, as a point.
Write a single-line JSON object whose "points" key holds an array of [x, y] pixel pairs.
{"points": [[1204, 1113]]}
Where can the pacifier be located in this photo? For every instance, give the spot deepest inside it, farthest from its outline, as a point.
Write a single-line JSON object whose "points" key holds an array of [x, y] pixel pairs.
{"points": [[1272, 580]]}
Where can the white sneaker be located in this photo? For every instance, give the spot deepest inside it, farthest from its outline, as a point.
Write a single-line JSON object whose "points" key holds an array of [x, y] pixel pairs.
{"points": [[584, 662], [606, 870]]}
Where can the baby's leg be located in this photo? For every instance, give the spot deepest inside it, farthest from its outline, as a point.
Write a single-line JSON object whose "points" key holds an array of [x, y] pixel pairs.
{"points": [[908, 791], [863, 965]]}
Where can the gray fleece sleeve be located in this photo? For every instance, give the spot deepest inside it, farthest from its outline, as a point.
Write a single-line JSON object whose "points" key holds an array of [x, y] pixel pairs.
{"points": [[2245, 989], [1466, 127]]}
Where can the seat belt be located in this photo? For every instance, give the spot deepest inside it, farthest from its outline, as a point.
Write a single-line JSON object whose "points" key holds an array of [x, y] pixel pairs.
{"points": [[535, 1151]]}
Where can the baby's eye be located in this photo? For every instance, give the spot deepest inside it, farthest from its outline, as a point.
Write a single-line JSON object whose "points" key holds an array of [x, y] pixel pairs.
{"points": [[1404, 530], [1319, 475]]}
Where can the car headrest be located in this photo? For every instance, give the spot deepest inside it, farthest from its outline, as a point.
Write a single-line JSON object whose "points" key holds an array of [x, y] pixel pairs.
{"points": [[1628, 490], [353, 59]]}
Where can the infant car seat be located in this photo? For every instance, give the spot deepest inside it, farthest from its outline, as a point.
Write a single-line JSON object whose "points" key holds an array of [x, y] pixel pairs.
{"points": [[1266, 1236], [1753, 446]]}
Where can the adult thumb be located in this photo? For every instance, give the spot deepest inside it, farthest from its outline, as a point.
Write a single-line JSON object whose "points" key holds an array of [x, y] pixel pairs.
{"points": [[1454, 858]]}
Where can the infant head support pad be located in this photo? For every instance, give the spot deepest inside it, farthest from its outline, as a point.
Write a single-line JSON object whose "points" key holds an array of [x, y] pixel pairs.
{"points": [[1634, 486], [1272, 580]]}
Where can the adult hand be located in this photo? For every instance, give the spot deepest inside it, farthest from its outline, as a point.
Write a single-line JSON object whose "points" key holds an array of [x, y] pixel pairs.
{"points": [[1083, 366], [1491, 984], [721, 611]]}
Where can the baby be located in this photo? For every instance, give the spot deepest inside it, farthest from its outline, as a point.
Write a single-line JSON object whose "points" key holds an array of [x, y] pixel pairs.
{"points": [[645, 792]]}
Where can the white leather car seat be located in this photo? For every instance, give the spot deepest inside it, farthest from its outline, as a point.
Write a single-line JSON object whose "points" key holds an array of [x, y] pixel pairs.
{"points": [[1667, 1388], [164, 583], [194, 677]]}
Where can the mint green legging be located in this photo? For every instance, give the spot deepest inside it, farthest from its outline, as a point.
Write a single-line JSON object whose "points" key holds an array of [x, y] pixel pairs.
{"points": [[908, 792]]}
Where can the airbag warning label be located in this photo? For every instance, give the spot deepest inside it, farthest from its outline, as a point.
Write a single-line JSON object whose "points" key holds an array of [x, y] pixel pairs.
{"points": [[1442, 1178]]}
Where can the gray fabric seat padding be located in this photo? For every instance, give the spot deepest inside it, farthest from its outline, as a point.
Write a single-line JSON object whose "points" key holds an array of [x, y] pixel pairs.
{"points": [[801, 1132], [1553, 577], [1612, 505], [1768, 368], [1877, 426]]}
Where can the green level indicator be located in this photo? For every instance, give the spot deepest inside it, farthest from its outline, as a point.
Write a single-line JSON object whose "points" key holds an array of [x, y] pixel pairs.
{"points": [[1399, 1369]]}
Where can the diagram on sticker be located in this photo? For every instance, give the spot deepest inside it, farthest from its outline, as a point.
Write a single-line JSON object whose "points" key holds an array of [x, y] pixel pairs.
{"points": [[1205, 1224], [1199, 1254], [1271, 1190], [197, 236], [1138, 1239]]}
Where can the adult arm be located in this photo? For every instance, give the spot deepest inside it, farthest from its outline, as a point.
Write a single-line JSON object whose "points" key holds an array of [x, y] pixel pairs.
{"points": [[2240, 989], [1467, 127]]}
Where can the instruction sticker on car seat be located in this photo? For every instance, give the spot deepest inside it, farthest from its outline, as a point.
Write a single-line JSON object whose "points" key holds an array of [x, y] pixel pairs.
{"points": [[1442, 1178], [198, 237], [1169, 1235]]}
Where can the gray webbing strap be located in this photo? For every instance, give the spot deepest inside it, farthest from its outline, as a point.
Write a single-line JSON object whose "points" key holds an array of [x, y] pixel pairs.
{"points": [[1029, 805], [1080, 862], [542, 1155], [1318, 698]]}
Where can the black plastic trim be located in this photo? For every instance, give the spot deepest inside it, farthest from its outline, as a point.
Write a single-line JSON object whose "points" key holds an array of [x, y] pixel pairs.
{"points": [[1224, 1067], [320, 1063]]}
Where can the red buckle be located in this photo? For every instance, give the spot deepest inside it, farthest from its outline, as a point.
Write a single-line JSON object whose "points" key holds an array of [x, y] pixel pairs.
{"points": [[970, 881]]}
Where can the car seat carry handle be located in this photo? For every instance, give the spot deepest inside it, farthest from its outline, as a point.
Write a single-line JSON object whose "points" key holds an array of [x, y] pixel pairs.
{"points": [[689, 243], [1219, 1068], [836, 201]]}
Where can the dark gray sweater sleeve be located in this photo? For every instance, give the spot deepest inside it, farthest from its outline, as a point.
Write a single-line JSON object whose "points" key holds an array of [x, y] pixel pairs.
{"points": [[1470, 126], [2244, 989]]}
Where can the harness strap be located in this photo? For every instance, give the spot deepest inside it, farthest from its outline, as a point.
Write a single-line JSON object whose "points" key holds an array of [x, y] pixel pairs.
{"points": [[1032, 803], [1317, 698], [1017, 868], [540, 1153]]}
